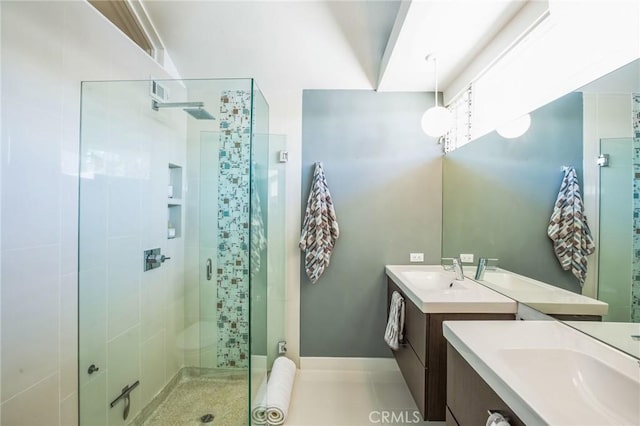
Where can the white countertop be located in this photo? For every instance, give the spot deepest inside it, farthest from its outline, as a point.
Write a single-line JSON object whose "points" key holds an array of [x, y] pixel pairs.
{"points": [[549, 373], [544, 297], [428, 287], [617, 334]]}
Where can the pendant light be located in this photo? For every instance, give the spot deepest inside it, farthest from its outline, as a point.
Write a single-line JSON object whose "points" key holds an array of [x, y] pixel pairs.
{"points": [[437, 120], [515, 128]]}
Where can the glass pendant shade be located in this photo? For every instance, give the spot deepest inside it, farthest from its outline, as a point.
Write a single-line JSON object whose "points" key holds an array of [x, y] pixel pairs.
{"points": [[436, 121], [515, 128]]}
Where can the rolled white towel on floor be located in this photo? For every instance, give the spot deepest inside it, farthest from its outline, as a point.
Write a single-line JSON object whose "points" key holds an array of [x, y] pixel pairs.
{"points": [[259, 407], [279, 387]]}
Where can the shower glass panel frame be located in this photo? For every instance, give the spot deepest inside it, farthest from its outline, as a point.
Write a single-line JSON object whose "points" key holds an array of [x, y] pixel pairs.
{"points": [[618, 221], [144, 173]]}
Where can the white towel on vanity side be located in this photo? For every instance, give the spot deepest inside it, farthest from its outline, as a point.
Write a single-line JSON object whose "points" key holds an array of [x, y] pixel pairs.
{"points": [[279, 388], [395, 324]]}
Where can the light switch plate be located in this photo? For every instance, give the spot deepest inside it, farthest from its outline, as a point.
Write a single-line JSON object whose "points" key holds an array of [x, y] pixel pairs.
{"points": [[416, 257], [466, 258]]}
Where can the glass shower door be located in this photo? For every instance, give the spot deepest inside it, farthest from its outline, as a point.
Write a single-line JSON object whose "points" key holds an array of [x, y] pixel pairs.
{"points": [[616, 256], [208, 235], [276, 290]]}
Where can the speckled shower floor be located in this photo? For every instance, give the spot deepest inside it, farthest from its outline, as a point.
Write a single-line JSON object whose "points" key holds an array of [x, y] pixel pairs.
{"points": [[225, 397]]}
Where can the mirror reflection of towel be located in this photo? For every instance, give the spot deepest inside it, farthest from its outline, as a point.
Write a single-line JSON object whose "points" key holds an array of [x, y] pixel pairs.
{"points": [[568, 228], [320, 229]]}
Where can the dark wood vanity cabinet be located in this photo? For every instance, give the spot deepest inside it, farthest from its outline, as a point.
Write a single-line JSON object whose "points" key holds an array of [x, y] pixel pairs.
{"points": [[422, 356], [469, 397]]}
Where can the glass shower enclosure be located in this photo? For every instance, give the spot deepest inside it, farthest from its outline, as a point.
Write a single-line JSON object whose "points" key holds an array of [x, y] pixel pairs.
{"points": [[178, 204], [619, 260]]}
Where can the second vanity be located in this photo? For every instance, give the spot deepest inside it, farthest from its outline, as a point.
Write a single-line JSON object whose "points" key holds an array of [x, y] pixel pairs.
{"points": [[548, 299], [432, 296], [537, 373], [463, 357]]}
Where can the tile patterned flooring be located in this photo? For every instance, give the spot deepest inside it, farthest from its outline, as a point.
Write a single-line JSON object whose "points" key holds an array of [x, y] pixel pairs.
{"points": [[224, 397]]}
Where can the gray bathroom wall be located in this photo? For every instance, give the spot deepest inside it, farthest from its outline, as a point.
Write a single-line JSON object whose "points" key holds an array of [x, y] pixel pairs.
{"points": [[498, 194], [385, 177]]}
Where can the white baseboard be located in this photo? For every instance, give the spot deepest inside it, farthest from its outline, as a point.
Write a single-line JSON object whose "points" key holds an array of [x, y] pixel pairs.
{"points": [[352, 364]]}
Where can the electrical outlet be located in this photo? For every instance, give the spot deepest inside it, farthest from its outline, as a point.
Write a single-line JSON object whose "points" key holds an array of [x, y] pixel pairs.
{"points": [[282, 347], [466, 258], [416, 257]]}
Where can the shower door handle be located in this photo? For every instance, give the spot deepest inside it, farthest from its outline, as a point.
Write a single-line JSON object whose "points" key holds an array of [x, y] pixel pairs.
{"points": [[209, 270]]}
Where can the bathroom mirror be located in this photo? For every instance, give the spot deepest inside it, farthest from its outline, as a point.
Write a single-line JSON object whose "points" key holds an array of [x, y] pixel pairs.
{"points": [[498, 196]]}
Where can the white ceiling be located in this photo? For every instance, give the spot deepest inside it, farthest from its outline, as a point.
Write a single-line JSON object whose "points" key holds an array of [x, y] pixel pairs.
{"points": [[304, 44], [329, 44], [623, 80], [454, 30]]}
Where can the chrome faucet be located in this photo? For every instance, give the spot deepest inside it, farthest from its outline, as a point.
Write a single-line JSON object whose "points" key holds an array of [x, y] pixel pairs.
{"points": [[457, 267], [482, 266]]}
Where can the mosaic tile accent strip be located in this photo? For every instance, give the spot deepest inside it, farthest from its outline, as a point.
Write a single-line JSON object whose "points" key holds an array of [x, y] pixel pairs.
{"points": [[635, 283], [636, 115], [233, 230]]}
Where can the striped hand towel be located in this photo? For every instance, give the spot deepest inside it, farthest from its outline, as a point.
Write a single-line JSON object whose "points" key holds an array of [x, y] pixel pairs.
{"points": [[393, 335], [320, 229], [568, 228]]}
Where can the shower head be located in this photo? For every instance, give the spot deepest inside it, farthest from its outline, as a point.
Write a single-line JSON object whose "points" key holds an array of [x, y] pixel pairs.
{"points": [[199, 113], [194, 109]]}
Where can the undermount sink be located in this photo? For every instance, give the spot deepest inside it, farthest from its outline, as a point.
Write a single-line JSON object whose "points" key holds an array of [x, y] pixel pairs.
{"points": [[546, 298], [583, 382], [509, 281], [436, 290], [551, 374], [432, 280]]}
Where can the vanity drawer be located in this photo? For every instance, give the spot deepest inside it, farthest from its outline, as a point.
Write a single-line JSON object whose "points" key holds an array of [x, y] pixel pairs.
{"points": [[415, 323], [469, 396], [414, 374]]}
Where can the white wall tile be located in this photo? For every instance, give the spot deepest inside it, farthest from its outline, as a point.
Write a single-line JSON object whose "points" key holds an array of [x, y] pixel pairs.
{"points": [[93, 409], [69, 221], [30, 291], [69, 410], [28, 150], [124, 267], [48, 48], [175, 325], [39, 405], [93, 222], [152, 376], [153, 197], [92, 308], [123, 368], [154, 302], [123, 206], [31, 207], [68, 335]]}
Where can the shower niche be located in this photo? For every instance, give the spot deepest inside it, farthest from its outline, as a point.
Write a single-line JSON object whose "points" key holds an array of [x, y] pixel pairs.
{"points": [[174, 205], [188, 176]]}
